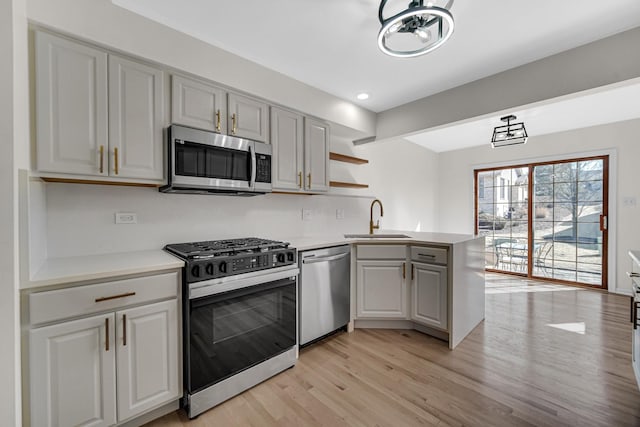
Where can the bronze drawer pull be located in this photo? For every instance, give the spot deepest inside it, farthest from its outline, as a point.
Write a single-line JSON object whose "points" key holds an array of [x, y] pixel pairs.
{"points": [[128, 294], [106, 331], [124, 329]]}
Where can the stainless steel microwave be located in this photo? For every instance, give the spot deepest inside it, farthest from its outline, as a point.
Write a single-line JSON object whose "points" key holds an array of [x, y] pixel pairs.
{"points": [[203, 162]]}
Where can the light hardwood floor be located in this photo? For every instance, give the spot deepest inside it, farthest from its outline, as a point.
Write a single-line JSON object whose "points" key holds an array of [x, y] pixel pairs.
{"points": [[546, 355]]}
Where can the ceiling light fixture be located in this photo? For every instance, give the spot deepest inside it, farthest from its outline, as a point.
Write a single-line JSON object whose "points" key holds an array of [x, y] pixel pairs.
{"points": [[429, 28], [362, 96], [509, 134]]}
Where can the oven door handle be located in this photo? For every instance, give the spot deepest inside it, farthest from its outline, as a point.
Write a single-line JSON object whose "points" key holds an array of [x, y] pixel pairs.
{"points": [[232, 283]]}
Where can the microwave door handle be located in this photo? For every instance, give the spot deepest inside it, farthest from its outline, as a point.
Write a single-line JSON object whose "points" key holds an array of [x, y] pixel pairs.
{"points": [[252, 166]]}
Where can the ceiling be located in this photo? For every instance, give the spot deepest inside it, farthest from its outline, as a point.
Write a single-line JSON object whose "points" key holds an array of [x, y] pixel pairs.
{"points": [[331, 44], [596, 107]]}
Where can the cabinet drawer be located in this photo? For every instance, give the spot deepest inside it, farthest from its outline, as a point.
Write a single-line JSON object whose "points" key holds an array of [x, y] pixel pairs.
{"points": [[50, 306], [381, 252], [429, 254]]}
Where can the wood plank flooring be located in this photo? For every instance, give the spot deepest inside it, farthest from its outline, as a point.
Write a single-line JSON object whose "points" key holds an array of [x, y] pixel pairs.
{"points": [[514, 369]]}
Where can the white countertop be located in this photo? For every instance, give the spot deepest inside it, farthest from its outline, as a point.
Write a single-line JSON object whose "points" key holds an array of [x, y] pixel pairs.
{"points": [[317, 242], [635, 256], [57, 271]]}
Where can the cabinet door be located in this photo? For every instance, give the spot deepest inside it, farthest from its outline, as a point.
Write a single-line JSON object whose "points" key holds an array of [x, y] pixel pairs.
{"points": [[71, 107], [316, 153], [248, 118], [73, 373], [429, 295], [286, 140], [148, 357], [381, 289], [136, 118], [197, 104]]}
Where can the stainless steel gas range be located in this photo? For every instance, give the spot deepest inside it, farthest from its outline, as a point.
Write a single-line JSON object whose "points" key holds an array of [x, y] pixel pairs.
{"points": [[240, 316]]}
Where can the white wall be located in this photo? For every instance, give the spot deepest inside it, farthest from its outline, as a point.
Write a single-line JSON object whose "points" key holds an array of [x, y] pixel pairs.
{"points": [[80, 218], [102, 22], [456, 179], [405, 178], [14, 146]]}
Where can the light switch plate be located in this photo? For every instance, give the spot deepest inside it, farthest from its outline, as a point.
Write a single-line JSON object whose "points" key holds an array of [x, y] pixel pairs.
{"points": [[339, 213], [126, 218], [306, 214], [630, 202]]}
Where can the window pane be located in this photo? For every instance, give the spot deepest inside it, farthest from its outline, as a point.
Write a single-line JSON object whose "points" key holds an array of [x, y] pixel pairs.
{"points": [[565, 172], [590, 170]]}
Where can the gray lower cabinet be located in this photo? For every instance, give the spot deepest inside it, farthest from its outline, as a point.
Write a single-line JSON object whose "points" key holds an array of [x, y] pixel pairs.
{"points": [[381, 289], [120, 360], [429, 295]]}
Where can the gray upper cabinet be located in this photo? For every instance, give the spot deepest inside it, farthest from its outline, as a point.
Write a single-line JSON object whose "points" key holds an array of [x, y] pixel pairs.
{"points": [[71, 107], [300, 152], [93, 123], [287, 132], [136, 112], [198, 104], [205, 106], [248, 118], [316, 155]]}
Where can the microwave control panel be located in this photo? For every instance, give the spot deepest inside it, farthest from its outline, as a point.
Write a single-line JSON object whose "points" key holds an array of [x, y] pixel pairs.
{"points": [[263, 168]]}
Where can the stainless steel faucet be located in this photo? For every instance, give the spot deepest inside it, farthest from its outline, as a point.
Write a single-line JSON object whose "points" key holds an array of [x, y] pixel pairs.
{"points": [[377, 226]]}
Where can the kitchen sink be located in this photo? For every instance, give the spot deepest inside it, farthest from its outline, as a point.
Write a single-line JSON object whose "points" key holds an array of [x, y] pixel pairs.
{"points": [[376, 236]]}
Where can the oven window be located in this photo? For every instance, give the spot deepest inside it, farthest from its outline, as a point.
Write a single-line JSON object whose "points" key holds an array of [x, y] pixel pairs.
{"points": [[212, 162], [236, 330]]}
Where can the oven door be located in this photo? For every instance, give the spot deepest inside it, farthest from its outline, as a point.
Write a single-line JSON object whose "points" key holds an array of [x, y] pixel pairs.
{"points": [[234, 330]]}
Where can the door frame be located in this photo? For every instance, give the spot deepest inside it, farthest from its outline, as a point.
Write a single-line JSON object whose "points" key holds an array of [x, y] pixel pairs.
{"points": [[609, 273]]}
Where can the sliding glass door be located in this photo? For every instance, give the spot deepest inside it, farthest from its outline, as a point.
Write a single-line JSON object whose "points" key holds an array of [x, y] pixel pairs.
{"points": [[546, 220]]}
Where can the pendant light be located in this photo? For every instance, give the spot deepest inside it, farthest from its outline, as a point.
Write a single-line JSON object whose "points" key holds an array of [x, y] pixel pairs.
{"points": [[509, 134], [415, 31]]}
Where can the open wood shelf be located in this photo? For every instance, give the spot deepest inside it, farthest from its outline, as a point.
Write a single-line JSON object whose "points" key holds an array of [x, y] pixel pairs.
{"points": [[347, 184], [347, 159]]}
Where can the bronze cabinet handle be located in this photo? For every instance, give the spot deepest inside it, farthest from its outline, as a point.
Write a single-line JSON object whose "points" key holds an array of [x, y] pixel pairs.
{"points": [[412, 271], [106, 331], [218, 120], [404, 271], [300, 179], [309, 176], [128, 294], [115, 155], [233, 124], [102, 159], [124, 329]]}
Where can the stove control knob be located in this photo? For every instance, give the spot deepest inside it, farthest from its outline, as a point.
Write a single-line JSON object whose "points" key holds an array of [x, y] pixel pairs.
{"points": [[210, 269], [280, 257], [195, 271], [222, 267], [290, 256]]}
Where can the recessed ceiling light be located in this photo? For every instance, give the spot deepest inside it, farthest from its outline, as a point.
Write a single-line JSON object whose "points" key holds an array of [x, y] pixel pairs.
{"points": [[362, 96]]}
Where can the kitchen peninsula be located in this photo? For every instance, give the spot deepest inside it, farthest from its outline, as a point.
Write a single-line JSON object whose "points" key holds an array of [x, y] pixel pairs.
{"points": [[431, 282]]}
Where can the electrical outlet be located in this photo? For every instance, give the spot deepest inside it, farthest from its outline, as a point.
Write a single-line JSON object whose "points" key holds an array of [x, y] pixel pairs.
{"points": [[126, 218], [629, 202], [306, 214], [339, 213]]}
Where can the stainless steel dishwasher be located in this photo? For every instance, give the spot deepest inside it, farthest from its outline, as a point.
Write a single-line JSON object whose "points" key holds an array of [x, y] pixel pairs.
{"points": [[323, 291]]}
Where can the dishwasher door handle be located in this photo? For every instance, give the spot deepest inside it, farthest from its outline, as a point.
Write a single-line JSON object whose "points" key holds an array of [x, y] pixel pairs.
{"points": [[311, 260]]}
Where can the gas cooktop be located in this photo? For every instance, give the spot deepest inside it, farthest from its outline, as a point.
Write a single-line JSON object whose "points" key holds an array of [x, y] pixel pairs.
{"points": [[220, 258], [229, 247]]}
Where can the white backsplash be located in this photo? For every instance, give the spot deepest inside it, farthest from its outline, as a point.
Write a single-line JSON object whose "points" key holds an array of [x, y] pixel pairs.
{"points": [[81, 218]]}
